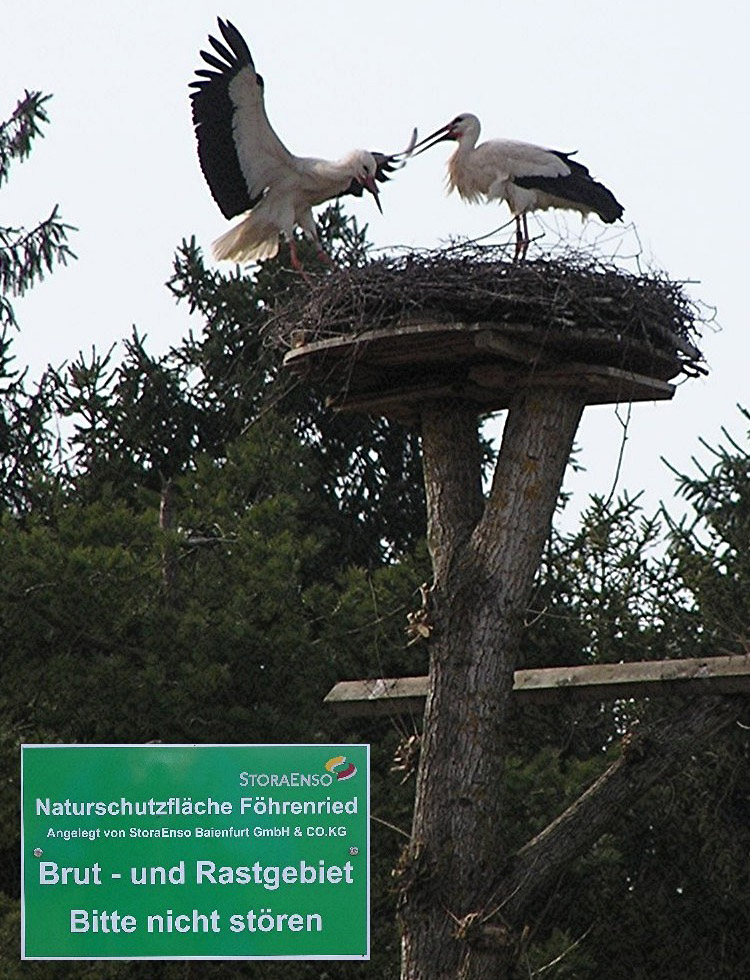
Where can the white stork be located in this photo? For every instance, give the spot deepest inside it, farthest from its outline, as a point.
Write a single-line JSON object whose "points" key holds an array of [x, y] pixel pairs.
{"points": [[248, 168], [528, 177]]}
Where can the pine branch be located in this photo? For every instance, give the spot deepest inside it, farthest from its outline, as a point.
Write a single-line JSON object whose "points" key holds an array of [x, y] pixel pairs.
{"points": [[18, 132], [26, 256]]}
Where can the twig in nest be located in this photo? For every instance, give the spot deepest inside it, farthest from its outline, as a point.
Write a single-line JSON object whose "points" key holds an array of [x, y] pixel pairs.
{"points": [[473, 283]]}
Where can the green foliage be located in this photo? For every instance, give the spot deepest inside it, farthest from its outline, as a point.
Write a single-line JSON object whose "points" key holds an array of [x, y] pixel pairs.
{"points": [[368, 469], [712, 549], [606, 592], [18, 133], [134, 426], [26, 256], [560, 957], [26, 443]]}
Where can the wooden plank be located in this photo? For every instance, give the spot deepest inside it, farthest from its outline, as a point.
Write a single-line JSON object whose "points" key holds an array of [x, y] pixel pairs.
{"points": [[491, 388], [385, 696], [648, 678], [548, 685], [405, 400], [569, 334], [511, 350], [413, 344], [410, 343], [602, 383]]}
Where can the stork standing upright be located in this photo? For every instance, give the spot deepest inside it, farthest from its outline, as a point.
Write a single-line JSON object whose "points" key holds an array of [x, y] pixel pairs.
{"points": [[528, 177], [248, 168]]}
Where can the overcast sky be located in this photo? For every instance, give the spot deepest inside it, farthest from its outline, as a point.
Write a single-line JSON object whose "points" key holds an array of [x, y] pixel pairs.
{"points": [[652, 94]]}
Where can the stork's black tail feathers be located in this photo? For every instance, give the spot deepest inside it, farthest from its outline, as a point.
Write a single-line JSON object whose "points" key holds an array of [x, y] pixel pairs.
{"points": [[578, 187]]}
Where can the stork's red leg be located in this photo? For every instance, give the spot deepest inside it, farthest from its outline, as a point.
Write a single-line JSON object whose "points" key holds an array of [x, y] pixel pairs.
{"points": [[325, 257], [519, 240], [517, 251], [526, 239], [296, 264]]}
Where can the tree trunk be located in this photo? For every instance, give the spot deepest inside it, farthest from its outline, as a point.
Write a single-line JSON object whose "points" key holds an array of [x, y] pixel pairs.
{"points": [[168, 549], [485, 555]]}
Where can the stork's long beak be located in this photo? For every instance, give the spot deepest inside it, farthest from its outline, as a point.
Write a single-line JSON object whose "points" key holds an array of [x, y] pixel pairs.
{"points": [[407, 152], [398, 160], [444, 133], [369, 184]]}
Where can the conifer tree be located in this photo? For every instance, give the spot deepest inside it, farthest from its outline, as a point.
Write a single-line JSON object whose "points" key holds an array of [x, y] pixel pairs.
{"points": [[26, 256]]}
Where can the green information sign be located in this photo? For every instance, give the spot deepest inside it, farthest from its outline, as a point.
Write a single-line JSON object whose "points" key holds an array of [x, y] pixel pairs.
{"points": [[195, 852]]}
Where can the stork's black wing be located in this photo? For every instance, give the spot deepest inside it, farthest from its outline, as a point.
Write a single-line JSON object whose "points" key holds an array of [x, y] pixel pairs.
{"points": [[578, 187], [239, 153]]}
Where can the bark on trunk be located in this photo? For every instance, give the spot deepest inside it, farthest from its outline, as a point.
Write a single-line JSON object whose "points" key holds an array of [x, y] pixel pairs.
{"points": [[485, 555], [168, 550]]}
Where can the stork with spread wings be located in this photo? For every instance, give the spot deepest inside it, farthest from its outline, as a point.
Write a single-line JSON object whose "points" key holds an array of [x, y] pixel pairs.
{"points": [[248, 168]]}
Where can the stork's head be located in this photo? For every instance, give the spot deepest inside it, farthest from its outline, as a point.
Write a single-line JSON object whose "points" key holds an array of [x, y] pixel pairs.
{"points": [[365, 173], [464, 128]]}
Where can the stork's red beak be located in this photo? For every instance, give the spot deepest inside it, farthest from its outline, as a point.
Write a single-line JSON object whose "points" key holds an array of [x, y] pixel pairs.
{"points": [[444, 133], [369, 184]]}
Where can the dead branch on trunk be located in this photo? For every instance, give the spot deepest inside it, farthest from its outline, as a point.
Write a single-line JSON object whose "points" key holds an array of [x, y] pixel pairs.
{"points": [[648, 755]]}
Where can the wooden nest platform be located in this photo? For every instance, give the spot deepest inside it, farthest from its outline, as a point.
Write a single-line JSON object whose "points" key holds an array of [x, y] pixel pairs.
{"points": [[468, 324]]}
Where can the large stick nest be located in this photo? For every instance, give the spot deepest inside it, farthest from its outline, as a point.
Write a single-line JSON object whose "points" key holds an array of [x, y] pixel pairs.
{"points": [[573, 301]]}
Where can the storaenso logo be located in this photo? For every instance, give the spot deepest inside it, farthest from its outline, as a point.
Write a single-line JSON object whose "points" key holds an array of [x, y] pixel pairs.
{"points": [[338, 764], [336, 768], [263, 779]]}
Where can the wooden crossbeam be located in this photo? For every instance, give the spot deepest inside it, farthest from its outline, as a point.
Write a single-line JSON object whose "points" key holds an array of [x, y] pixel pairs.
{"points": [[594, 682], [385, 696]]}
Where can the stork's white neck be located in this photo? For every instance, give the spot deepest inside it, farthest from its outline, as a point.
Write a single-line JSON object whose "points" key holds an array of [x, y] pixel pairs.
{"points": [[470, 129]]}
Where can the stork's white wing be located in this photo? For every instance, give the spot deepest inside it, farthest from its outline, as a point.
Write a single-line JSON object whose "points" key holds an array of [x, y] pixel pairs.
{"points": [[516, 159], [240, 154]]}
